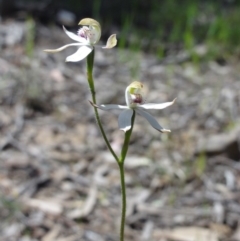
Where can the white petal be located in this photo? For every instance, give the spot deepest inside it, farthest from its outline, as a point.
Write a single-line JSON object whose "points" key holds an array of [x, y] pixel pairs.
{"points": [[62, 48], [75, 37], [152, 121], [111, 42], [156, 106], [112, 107], [81, 53], [125, 120]]}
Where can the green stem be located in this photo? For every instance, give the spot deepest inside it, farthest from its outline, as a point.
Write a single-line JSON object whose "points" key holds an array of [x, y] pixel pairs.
{"points": [[90, 61], [124, 200], [126, 141], [122, 177]]}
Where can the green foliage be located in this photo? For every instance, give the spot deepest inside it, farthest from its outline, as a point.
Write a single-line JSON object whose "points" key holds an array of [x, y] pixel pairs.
{"points": [[200, 164], [30, 36], [182, 25], [96, 8], [8, 207]]}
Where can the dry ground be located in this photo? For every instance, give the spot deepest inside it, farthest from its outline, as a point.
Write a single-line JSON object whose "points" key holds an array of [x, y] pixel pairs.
{"points": [[57, 179]]}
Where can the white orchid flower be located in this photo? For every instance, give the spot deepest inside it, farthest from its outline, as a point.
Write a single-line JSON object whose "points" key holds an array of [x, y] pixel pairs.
{"points": [[134, 100], [86, 37]]}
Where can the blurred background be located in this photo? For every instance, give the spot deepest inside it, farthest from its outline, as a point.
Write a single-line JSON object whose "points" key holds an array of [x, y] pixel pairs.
{"points": [[58, 181]]}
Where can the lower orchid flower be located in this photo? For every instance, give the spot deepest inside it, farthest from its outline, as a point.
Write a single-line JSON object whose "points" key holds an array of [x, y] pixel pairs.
{"points": [[87, 37], [134, 101]]}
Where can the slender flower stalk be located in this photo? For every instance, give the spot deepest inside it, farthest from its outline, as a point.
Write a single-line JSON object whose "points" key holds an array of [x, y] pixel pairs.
{"points": [[122, 177], [90, 63], [124, 200]]}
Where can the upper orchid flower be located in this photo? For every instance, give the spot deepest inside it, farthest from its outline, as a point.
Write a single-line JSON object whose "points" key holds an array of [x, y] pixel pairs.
{"points": [[134, 100], [87, 36]]}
